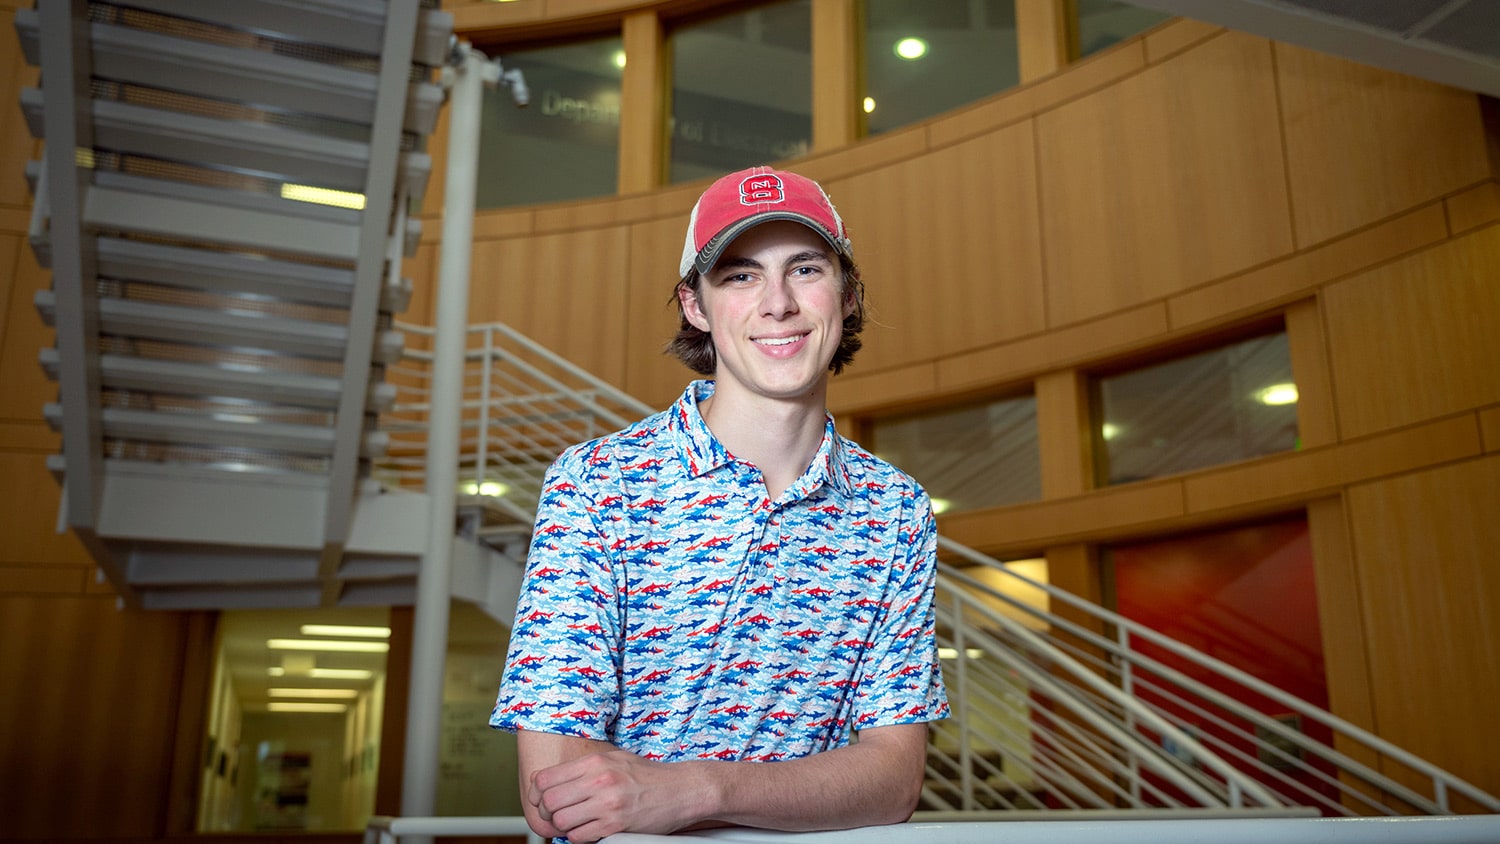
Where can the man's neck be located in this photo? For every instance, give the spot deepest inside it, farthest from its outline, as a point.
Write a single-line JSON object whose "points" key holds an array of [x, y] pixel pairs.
{"points": [[779, 436]]}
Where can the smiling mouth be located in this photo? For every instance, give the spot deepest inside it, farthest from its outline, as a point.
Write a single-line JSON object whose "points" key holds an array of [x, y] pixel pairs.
{"points": [[779, 341]]}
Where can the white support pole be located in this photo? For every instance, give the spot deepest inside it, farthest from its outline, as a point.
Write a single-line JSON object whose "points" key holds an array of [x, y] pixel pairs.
{"points": [[424, 715]]}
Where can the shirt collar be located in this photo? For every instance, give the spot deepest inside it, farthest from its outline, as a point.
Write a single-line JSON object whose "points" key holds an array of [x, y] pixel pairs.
{"points": [[702, 452]]}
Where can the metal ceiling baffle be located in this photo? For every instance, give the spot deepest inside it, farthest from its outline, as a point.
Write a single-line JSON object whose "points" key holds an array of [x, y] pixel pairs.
{"points": [[222, 344]]}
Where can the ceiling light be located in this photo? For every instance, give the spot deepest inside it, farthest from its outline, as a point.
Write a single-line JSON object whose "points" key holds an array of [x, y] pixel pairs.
{"points": [[1277, 394], [327, 645], [323, 196], [939, 505], [952, 653], [350, 630], [326, 673], [324, 693], [619, 59], [911, 49], [869, 104], [296, 706], [1109, 431]]}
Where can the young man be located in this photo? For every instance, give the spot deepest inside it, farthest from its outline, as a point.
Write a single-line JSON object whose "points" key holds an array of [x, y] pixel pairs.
{"points": [[718, 594]]}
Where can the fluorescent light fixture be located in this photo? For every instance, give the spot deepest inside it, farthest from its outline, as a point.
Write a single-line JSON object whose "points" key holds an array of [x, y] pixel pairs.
{"points": [[297, 706], [869, 104], [939, 505], [911, 49], [1277, 394], [323, 196], [314, 693], [330, 645], [492, 489], [325, 673], [952, 653], [349, 630]]}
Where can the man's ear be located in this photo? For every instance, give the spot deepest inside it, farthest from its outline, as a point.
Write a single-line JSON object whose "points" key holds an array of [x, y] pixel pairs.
{"points": [[692, 309]]}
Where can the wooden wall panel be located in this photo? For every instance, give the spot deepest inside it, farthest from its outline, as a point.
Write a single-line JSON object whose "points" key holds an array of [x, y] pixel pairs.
{"points": [[1165, 180], [88, 718], [1431, 596], [655, 250], [565, 291], [1363, 143], [947, 267], [1415, 338], [28, 514], [16, 144], [26, 386]]}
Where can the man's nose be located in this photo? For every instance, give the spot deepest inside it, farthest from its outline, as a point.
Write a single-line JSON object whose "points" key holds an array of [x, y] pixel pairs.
{"points": [[778, 300]]}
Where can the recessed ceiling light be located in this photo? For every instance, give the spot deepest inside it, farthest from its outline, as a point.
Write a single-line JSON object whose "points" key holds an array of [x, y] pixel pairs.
{"points": [[329, 645], [314, 693], [298, 706], [349, 630], [911, 49], [1277, 394], [1109, 430], [325, 673], [619, 58], [869, 104], [939, 505]]}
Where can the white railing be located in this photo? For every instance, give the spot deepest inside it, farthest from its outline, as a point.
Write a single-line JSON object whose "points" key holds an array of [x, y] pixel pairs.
{"points": [[1054, 710], [1074, 713]]}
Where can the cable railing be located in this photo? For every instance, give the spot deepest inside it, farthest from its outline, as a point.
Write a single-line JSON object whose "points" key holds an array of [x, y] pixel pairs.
{"points": [[1060, 705]]}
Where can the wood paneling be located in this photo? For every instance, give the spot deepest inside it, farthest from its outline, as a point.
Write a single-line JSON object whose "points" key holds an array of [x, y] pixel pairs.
{"points": [[88, 719], [564, 291], [16, 144], [1165, 180], [1043, 44], [853, 391], [1026, 527], [643, 96], [1265, 287], [1064, 433], [1363, 143], [655, 249], [926, 293], [26, 386], [1489, 426], [836, 71], [1431, 596], [10, 251], [1415, 339], [28, 514], [42, 580], [1474, 208], [1173, 37], [1317, 421]]}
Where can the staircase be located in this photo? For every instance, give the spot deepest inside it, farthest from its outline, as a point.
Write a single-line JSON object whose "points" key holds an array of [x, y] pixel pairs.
{"points": [[243, 425], [223, 206]]}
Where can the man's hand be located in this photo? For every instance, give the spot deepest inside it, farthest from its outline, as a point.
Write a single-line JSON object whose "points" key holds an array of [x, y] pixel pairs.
{"points": [[604, 793]]}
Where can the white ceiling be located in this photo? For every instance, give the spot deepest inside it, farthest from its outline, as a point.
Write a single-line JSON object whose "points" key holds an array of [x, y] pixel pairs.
{"points": [[1454, 42]]}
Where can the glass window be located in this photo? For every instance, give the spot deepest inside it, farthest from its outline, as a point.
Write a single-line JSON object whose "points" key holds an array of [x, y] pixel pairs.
{"points": [[982, 455], [924, 58], [1232, 403], [294, 721], [741, 90], [565, 144], [1105, 22]]}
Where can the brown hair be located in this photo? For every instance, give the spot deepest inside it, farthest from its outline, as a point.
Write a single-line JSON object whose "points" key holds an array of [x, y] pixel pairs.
{"points": [[695, 347]]}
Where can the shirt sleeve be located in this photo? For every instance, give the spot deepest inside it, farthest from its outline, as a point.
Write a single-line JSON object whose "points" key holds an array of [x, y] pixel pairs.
{"points": [[901, 680], [562, 667]]}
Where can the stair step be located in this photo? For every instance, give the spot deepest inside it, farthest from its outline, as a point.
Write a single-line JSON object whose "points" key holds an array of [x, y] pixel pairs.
{"points": [[179, 324], [300, 389], [232, 272], [191, 429], [268, 80], [273, 151], [354, 25]]}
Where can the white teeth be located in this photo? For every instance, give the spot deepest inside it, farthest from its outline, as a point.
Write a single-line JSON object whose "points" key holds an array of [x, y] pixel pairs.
{"points": [[778, 341]]}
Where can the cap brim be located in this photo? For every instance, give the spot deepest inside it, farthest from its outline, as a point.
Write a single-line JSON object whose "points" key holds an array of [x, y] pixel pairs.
{"points": [[709, 254]]}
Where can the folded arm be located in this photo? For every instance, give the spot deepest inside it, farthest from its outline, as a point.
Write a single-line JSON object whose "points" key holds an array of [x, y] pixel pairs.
{"points": [[588, 789]]}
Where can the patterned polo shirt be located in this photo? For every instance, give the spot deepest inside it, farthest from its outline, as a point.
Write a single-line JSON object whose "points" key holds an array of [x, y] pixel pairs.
{"points": [[674, 610]]}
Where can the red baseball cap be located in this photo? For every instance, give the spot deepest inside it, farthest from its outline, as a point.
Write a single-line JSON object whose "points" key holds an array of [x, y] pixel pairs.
{"points": [[737, 202]]}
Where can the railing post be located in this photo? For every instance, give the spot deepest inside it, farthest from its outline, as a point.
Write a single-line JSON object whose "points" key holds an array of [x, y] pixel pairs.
{"points": [[481, 457], [961, 683], [1127, 685]]}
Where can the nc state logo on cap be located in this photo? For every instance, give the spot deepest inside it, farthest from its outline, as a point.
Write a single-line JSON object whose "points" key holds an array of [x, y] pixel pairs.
{"points": [[767, 187]]}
